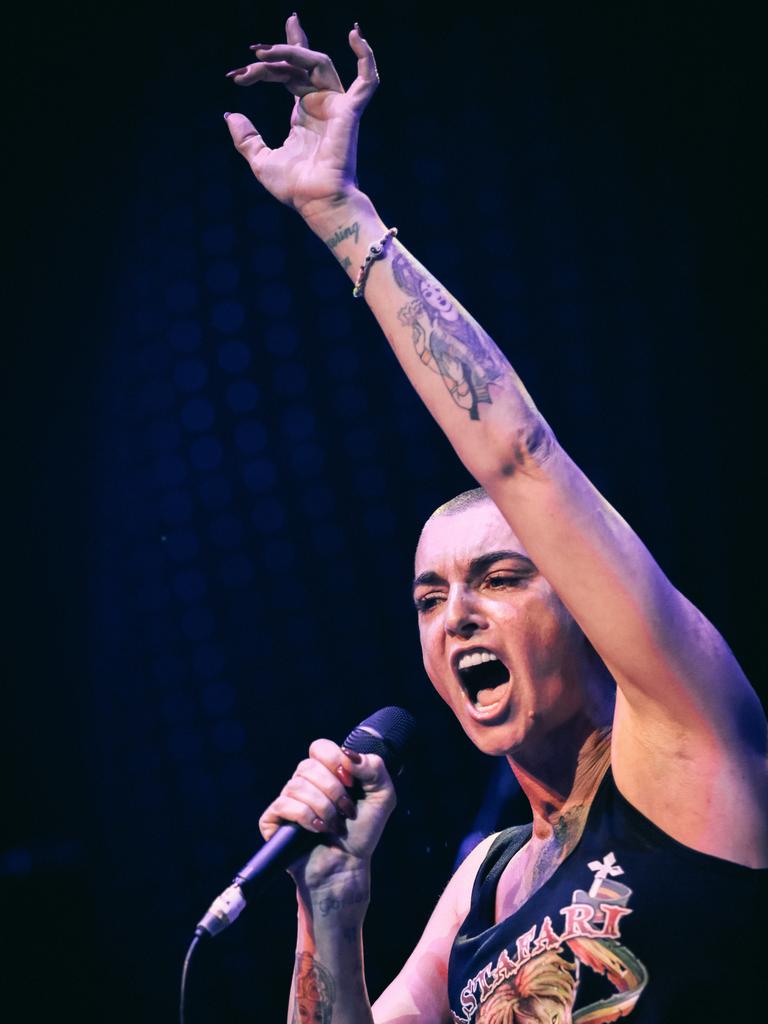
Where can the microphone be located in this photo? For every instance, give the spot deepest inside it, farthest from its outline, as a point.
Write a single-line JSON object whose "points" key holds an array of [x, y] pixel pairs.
{"points": [[388, 733]]}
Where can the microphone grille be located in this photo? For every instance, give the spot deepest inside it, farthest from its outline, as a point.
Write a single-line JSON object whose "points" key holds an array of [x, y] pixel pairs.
{"points": [[388, 732]]}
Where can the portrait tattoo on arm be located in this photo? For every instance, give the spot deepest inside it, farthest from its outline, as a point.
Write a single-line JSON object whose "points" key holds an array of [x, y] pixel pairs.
{"points": [[444, 339], [314, 992]]}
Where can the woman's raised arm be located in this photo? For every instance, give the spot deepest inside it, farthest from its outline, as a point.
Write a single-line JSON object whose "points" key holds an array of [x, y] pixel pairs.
{"points": [[683, 699]]}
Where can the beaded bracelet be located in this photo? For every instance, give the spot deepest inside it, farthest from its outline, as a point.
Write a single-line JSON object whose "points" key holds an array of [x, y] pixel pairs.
{"points": [[375, 252]]}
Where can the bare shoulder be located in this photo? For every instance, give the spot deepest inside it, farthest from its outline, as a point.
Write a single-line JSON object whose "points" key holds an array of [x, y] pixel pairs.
{"points": [[419, 992]]}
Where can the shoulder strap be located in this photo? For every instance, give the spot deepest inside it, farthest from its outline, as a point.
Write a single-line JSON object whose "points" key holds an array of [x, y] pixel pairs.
{"points": [[503, 849]]}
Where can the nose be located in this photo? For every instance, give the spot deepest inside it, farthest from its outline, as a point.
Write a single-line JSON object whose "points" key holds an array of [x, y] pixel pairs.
{"points": [[463, 614]]}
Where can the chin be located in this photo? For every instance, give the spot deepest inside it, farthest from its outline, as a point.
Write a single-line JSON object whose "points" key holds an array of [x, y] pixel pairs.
{"points": [[495, 741]]}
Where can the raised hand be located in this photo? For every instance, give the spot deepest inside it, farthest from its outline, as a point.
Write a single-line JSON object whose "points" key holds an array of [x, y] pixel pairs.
{"points": [[317, 797], [315, 168]]}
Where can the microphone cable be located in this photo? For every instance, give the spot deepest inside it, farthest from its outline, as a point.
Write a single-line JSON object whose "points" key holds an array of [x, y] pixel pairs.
{"points": [[185, 971]]}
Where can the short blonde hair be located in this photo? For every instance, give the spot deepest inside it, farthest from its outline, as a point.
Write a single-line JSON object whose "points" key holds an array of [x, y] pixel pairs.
{"points": [[461, 502]]}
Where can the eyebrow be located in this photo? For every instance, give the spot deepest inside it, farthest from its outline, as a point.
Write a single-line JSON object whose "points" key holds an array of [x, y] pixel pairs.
{"points": [[476, 567]]}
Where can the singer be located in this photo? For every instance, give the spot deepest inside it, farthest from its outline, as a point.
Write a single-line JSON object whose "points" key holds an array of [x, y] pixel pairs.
{"points": [[560, 645]]}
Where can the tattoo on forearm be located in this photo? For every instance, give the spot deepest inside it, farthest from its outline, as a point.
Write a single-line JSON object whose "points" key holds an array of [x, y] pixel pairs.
{"points": [[314, 992], [350, 231], [332, 903], [444, 339], [346, 262]]}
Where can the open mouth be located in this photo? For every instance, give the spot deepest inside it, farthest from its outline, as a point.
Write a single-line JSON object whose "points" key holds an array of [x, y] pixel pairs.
{"points": [[483, 676]]}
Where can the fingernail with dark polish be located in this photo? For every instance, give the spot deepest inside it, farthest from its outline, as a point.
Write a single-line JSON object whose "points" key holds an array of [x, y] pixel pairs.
{"points": [[344, 775], [346, 807], [353, 755], [319, 824]]}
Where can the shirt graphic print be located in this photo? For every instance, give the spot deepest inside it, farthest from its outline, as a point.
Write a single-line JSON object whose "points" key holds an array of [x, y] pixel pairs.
{"points": [[537, 981]]}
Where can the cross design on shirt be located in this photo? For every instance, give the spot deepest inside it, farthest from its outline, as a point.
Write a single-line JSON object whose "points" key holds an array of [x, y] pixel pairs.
{"points": [[604, 868]]}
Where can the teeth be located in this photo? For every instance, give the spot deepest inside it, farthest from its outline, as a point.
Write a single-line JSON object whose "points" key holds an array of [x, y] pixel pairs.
{"points": [[476, 658]]}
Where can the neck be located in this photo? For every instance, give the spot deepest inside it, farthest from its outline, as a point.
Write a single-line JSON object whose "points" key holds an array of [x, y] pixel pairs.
{"points": [[562, 777]]}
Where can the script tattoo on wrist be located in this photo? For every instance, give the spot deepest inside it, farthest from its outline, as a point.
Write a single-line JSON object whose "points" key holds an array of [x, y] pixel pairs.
{"points": [[330, 904], [350, 231], [445, 340], [314, 991]]}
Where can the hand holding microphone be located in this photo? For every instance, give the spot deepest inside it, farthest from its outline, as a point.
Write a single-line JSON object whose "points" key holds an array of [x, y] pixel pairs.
{"points": [[343, 799], [328, 817]]}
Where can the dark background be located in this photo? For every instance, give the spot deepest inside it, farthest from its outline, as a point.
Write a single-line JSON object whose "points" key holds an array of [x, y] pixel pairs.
{"points": [[216, 473]]}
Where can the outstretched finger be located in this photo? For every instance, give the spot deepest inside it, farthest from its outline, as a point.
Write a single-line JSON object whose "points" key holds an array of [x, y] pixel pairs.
{"points": [[367, 79], [294, 33], [247, 141], [296, 80], [318, 66]]}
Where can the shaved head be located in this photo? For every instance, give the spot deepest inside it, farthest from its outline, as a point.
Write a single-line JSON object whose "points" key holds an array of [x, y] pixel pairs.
{"points": [[463, 501]]}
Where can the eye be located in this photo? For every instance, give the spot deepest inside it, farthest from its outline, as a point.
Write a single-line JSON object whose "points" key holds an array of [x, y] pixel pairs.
{"points": [[501, 581], [427, 602]]}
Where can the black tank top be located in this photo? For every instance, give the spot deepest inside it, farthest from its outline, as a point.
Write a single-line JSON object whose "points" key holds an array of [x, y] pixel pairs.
{"points": [[631, 924]]}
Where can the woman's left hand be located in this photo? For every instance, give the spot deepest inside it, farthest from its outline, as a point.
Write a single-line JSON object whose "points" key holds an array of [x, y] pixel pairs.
{"points": [[315, 168]]}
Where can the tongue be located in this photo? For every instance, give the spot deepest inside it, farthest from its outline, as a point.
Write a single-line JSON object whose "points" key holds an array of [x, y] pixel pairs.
{"points": [[489, 696]]}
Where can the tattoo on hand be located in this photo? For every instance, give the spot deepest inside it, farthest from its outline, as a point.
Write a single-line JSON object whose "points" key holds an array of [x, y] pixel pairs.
{"points": [[350, 231], [314, 992], [444, 339]]}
